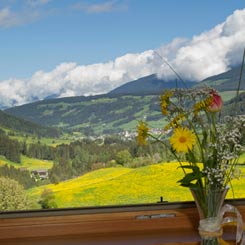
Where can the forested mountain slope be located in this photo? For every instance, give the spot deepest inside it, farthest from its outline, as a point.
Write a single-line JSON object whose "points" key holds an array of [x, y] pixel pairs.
{"points": [[119, 110], [13, 123]]}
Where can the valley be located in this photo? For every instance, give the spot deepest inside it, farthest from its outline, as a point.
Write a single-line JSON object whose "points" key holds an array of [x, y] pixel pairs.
{"points": [[87, 148]]}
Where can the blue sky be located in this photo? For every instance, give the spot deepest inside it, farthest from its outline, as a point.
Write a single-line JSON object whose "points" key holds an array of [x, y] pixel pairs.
{"points": [[40, 38]]}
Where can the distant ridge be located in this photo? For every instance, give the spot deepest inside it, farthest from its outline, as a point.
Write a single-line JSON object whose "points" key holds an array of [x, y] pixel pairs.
{"points": [[151, 85], [114, 112], [148, 85], [13, 123], [226, 81]]}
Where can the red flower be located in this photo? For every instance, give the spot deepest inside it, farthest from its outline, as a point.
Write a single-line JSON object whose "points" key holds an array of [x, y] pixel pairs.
{"points": [[216, 103]]}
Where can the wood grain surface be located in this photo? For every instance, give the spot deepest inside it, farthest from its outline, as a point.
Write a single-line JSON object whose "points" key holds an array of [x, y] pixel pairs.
{"points": [[157, 225]]}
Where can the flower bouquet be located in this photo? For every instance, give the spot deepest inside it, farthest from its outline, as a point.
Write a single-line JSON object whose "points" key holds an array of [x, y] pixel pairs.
{"points": [[207, 147]]}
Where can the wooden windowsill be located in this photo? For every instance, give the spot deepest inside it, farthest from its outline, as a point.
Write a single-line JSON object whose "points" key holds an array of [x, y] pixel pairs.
{"points": [[142, 224]]}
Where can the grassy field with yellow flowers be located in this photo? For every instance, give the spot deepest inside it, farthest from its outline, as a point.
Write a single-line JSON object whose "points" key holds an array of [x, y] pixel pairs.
{"points": [[119, 185], [27, 163]]}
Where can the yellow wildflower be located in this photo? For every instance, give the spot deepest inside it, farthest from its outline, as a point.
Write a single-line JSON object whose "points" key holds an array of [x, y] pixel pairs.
{"points": [[175, 122], [203, 105], [165, 100], [142, 130], [182, 139]]}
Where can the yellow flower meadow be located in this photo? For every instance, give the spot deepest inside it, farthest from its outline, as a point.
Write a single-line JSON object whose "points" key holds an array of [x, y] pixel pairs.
{"points": [[182, 139]]}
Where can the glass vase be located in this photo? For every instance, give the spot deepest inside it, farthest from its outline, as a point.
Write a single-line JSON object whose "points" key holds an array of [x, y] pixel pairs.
{"points": [[209, 202]]}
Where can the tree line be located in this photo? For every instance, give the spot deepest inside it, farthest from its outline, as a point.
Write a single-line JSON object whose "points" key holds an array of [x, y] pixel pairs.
{"points": [[10, 148], [21, 175], [81, 156]]}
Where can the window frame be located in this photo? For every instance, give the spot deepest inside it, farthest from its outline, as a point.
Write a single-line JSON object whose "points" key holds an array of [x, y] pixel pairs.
{"points": [[179, 222]]}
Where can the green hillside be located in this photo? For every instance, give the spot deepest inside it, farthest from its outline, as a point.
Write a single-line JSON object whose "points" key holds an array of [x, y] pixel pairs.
{"points": [[118, 186], [12, 123], [27, 163], [226, 81], [101, 114], [97, 115], [149, 85], [119, 110], [236, 105]]}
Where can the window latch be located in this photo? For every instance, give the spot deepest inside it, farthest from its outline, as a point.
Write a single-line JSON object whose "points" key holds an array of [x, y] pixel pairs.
{"points": [[156, 216]]}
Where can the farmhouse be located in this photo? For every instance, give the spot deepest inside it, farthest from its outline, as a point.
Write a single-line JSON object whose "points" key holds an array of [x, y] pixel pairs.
{"points": [[39, 174]]}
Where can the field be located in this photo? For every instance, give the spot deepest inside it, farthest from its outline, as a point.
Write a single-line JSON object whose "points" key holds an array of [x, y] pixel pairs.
{"points": [[227, 95], [28, 163], [65, 139], [118, 186]]}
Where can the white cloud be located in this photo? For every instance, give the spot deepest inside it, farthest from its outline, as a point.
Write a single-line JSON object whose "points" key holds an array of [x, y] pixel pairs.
{"points": [[10, 18], [7, 18], [103, 7], [18, 12], [40, 2], [35, 3], [207, 54]]}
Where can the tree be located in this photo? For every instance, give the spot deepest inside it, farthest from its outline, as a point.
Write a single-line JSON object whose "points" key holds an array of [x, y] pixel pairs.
{"points": [[47, 199], [10, 148], [12, 195], [61, 170], [22, 176], [24, 148], [123, 157]]}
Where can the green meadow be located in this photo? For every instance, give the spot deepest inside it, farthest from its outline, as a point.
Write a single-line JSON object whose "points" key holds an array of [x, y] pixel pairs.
{"points": [[28, 163], [65, 139], [227, 95], [119, 186]]}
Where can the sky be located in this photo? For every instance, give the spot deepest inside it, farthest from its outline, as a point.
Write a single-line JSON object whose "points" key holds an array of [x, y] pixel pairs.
{"points": [[84, 47]]}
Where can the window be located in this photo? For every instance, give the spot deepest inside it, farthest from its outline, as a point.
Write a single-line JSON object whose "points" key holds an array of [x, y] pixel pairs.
{"points": [[70, 109]]}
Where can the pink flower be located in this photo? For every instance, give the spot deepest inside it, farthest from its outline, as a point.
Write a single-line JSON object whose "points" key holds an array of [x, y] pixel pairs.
{"points": [[216, 103]]}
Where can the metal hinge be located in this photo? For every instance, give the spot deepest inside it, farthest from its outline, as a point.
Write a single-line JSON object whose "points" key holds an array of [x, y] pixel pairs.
{"points": [[156, 216]]}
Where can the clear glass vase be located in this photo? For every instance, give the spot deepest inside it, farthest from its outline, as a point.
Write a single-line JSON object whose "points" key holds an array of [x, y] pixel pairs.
{"points": [[209, 202]]}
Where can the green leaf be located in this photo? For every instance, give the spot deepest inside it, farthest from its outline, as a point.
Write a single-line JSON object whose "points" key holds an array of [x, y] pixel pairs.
{"points": [[190, 177], [195, 169], [190, 185]]}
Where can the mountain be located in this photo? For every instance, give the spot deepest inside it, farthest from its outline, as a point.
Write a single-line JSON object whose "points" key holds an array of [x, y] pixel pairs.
{"points": [[226, 81], [148, 85], [121, 109], [91, 115], [235, 105], [151, 84], [13, 123], [109, 113]]}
